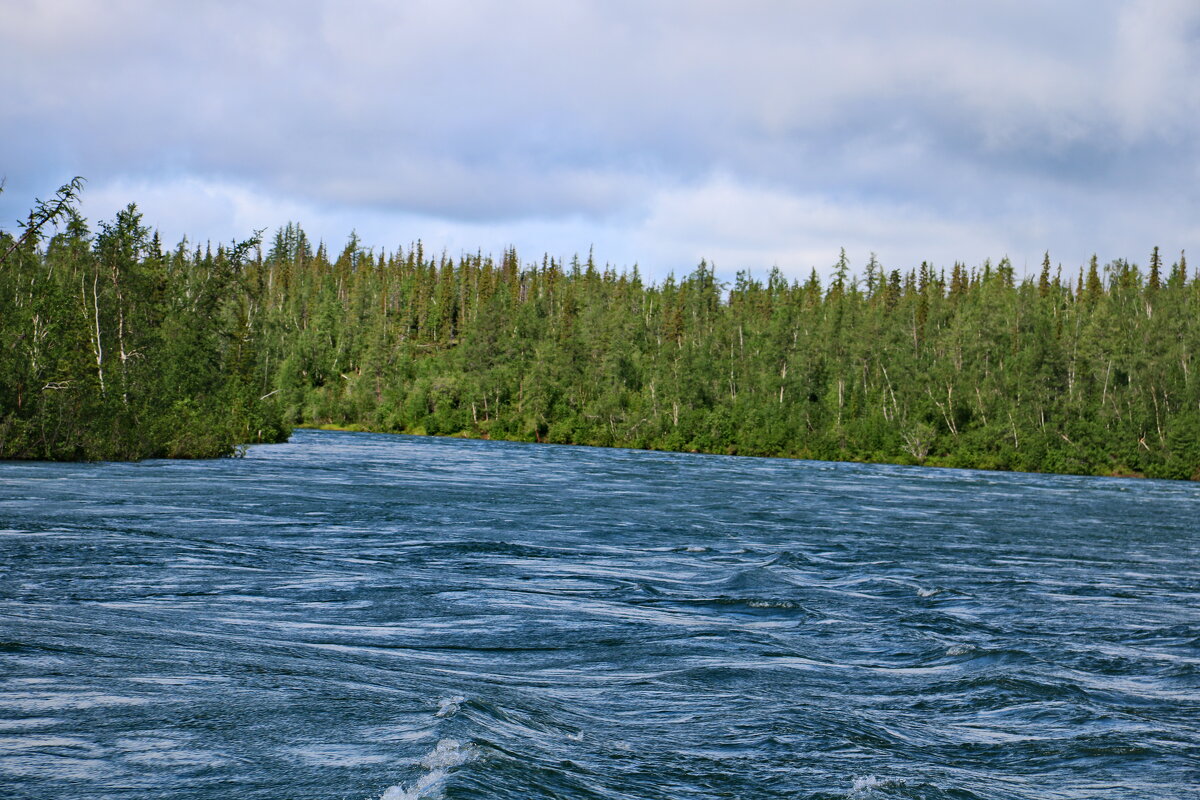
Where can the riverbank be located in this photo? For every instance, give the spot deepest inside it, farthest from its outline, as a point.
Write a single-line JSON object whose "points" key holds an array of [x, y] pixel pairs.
{"points": [[934, 462]]}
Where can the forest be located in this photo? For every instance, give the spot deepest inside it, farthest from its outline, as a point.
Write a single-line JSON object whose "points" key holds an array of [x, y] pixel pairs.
{"points": [[115, 347], [112, 348]]}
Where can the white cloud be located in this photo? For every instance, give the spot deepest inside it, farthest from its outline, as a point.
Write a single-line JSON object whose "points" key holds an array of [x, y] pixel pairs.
{"points": [[1154, 87], [740, 226], [733, 224], [759, 132]]}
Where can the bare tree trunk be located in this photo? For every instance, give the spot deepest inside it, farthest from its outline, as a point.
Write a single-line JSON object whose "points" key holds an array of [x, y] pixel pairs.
{"points": [[1158, 419], [97, 346], [1104, 394]]}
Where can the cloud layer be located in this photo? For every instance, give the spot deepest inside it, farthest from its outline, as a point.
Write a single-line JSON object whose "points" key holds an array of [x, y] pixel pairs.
{"points": [[755, 134]]}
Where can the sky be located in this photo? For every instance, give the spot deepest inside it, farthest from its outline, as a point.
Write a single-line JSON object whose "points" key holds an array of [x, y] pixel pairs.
{"points": [[754, 134]]}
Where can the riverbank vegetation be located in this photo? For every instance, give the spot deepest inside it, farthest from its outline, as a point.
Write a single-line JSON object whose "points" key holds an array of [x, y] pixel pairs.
{"points": [[1088, 372], [1085, 370], [113, 348]]}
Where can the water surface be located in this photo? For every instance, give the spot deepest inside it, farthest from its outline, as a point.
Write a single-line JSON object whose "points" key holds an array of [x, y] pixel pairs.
{"points": [[359, 616]]}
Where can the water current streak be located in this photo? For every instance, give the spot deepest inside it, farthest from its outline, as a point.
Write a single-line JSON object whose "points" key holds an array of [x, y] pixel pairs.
{"points": [[356, 616]]}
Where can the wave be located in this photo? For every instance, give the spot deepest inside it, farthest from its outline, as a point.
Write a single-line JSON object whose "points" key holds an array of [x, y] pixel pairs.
{"points": [[437, 763]]}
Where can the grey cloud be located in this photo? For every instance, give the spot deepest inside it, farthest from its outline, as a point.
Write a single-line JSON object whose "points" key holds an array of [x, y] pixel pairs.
{"points": [[479, 112]]}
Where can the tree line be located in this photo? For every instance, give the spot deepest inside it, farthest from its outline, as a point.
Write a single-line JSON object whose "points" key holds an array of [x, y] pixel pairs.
{"points": [[118, 348], [1090, 373]]}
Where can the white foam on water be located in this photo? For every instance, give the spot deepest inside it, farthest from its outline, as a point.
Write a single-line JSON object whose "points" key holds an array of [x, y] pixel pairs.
{"points": [[447, 754], [772, 604], [921, 592], [959, 649], [696, 549], [867, 785], [424, 787], [449, 706]]}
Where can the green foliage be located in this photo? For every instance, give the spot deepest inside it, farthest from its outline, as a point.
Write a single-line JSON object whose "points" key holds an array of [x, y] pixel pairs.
{"points": [[115, 348], [974, 369], [112, 349]]}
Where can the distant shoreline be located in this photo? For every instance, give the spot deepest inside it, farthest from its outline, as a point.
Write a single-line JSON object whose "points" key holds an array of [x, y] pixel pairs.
{"points": [[932, 463]]}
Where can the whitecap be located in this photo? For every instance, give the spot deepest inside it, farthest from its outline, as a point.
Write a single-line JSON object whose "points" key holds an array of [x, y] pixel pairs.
{"points": [[959, 649], [867, 785], [922, 592], [449, 706], [771, 604], [422, 788], [447, 754]]}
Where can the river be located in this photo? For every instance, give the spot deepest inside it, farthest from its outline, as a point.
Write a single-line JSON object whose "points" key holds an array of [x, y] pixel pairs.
{"points": [[356, 616]]}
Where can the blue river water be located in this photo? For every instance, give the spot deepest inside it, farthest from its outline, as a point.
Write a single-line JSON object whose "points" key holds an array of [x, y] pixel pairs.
{"points": [[360, 616]]}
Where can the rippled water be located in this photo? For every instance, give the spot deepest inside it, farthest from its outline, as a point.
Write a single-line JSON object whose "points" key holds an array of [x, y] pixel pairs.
{"points": [[358, 616]]}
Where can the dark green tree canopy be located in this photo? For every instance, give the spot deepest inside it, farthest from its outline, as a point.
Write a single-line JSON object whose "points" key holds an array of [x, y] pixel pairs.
{"points": [[113, 347]]}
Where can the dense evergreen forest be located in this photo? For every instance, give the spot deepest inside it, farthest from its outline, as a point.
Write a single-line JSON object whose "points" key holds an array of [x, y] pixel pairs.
{"points": [[1089, 372], [972, 369], [112, 348]]}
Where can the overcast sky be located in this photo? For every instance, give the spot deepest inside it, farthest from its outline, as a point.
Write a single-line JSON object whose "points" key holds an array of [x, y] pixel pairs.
{"points": [[752, 133]]}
